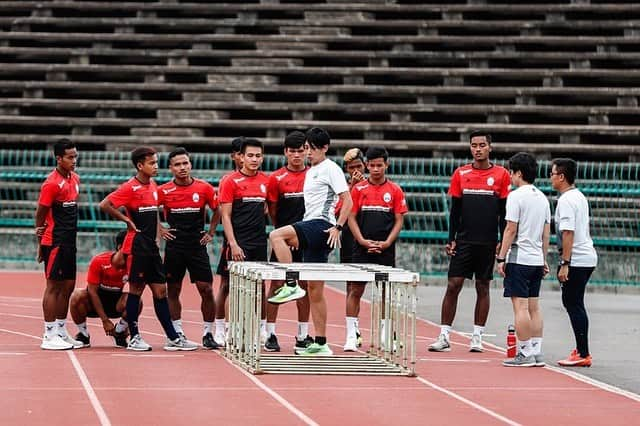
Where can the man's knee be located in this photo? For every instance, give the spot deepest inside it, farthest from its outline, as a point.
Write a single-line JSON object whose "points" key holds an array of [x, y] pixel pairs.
{"points": [[205, 289]]}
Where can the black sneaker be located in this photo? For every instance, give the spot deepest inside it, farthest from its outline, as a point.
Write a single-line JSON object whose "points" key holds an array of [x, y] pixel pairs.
{"points": [[271, 345], [301, 345], [120, 339], [86, 340], [209, 343]]}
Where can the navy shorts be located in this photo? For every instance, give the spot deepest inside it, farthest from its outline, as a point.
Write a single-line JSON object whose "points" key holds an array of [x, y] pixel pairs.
{"points": [[522, 280], [313, 240], [473, 259], [177, 261], [59, 262], [251, 254], [109, 300], [145, 269]]}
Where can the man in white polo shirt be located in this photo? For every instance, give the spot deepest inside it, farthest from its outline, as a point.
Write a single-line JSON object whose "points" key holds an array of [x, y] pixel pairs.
{"points": [[317, 234], [523, 251]]}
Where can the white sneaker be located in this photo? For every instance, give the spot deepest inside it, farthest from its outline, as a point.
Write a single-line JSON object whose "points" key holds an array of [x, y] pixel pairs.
{"points": [[180, 344], [440, 345], [76, 344], [476, 343], [220, 340], [136, 343], [351, 344], [54, 343]]}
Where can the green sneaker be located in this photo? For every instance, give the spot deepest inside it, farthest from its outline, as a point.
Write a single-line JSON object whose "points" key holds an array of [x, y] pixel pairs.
{"points": [[315, 349], [287, 293]]}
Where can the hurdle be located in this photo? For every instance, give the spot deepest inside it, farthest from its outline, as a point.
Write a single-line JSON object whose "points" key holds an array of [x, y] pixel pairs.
{"points": [[393, 303]]}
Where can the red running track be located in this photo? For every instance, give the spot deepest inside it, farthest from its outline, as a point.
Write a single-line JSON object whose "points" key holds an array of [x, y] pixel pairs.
{"points": [[104, 385]]}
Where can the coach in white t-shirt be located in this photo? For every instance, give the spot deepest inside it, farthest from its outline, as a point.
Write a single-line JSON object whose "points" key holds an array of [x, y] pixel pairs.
{"points": [[578, 257], [317, 234], [524, 247]]}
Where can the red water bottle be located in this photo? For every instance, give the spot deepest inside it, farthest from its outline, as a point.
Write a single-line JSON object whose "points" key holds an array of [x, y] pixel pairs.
{"points": [[511, 341]]}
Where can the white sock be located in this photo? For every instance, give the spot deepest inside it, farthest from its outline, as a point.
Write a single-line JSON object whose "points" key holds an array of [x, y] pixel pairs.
{"points": [[525, 347], [351, 327], [50, 329], [219, 327], [62, 329], [207, 326], [121, 326], [536, 344], [478, 330], [82, 328], [303, 330], [271, 328], [177, 325], [263, 326], [226, 327], [445, 329], [384, 324]]}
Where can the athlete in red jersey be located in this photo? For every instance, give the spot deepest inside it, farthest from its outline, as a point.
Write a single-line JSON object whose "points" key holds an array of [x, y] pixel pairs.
{"points": [[185, 200], [478, 198], [376, 219], [243, 208], [285, 198], [139, 197], [103, 297], [56, 225]]}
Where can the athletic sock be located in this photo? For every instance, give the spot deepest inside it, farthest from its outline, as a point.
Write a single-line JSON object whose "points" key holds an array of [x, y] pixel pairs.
{"points": [[177, 325], [536, 343], [219, 326], [445, 329], [50, 329], [161, 306], [351, 327], [132, 308], [525, 347], [478, 330], [263, 326], [321, 340], [303, 330], [207, 327], [62, 329], [82, 328], [271, 328], [121, 326]]}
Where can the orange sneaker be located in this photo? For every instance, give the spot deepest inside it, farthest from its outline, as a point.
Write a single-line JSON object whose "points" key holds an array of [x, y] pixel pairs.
{"points": [[575, 360]]}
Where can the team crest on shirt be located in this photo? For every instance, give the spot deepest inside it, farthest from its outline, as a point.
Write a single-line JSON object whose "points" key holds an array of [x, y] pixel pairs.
{"points": [[195, 197], [490, 181], [155, 195], [386, 197], [263, 188]]}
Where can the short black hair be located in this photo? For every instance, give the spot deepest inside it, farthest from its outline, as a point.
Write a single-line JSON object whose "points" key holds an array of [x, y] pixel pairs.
{"points": [[568, 167], [294, 140], [251, 142], [139, 154], [377, 152], [480, 133], [61, 146], [317, 137], [178, 151], [236, 144], [526, 164], [119, 239]]}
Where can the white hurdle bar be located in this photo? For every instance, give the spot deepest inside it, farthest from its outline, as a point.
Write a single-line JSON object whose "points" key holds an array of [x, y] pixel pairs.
{"points": [[393, 302]]}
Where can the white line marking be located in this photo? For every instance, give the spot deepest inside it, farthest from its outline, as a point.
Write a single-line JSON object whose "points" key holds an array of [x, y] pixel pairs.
{"points": [[593, 382], [95, 402], [20, 334], [454, 360], [12, 353], [274, 395], [131, 355], [469, 402]]}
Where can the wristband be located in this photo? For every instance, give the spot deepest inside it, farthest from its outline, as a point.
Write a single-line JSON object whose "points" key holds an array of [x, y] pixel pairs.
{"points": [[500, 259], [564, 262], [338, 227]]}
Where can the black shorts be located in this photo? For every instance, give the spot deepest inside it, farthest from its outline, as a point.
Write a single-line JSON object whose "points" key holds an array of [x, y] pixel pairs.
{"points": [[522, 280], [347, 246], [177, 261], [59, 262], [387, 257], [473, 259], [145, 269], [109, 301], [251, 254]]}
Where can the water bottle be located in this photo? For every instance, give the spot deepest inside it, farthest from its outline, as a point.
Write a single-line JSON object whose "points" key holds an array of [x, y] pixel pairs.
{"points": [[511, 341]]}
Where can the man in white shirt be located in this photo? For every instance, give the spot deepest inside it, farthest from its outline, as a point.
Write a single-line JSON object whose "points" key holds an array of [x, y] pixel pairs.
{"points": [[578, 257], [523, 251], [317, 234]]}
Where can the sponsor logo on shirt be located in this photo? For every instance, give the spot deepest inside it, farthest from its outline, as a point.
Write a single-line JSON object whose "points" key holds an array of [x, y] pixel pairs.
{"points": [[282, 176], [464, 172], [253, 199], [68, 204], [147, 209], [239, 180], [61, 184], [136, 187], [167, 191], [179, 210]]}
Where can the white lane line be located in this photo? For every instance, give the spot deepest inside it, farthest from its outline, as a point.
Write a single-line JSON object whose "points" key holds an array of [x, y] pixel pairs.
{"points": [[593, 382], [17, 333], [131, 355], [274, 395], [12, 353], [455, 360], [93, 398], [470, 403]]}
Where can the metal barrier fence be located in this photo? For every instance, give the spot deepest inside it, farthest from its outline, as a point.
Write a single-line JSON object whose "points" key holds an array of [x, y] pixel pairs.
{"points": [[394, 300]]}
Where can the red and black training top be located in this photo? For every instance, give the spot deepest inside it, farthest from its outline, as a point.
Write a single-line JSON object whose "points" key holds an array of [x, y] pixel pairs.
{"points": [[103, 274], [185, 210], [481, 192], [60, 193], [140, 201], [375, 207], [286, 190], [247, 195]]}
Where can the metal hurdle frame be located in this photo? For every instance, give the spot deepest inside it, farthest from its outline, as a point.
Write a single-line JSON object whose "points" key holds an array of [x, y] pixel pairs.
{"points": [[393, 301]]}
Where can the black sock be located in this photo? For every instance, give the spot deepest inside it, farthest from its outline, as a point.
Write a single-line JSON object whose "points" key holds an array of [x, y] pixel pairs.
{"points": [[132, 308], [321, 340], [291, 283], [161, 306]]}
